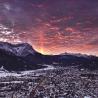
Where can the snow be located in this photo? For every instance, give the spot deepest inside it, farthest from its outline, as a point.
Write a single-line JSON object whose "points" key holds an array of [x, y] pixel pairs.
{"points": [[12, 82], [17, 49], [87, 97], [6, 74], [65, 55], [2, 69], [22, 73]]}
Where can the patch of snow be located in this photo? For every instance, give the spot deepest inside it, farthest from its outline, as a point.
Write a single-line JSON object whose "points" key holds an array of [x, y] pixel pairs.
{"points": [[22, 73], [5, 74], [12, 82], [2, 69], [87, 96]]}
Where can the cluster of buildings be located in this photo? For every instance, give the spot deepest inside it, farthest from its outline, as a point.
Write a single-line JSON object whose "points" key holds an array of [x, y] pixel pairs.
{"points": [[69, 82]]}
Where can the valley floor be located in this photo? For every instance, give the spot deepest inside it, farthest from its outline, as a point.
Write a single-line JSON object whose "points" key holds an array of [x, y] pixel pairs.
{"points": [[69, 82]]}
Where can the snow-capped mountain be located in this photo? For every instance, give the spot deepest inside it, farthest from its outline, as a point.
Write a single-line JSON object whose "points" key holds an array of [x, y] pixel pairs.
{"points": [[17, 49]]}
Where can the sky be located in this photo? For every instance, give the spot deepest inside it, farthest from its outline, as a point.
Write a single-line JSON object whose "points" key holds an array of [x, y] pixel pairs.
{"points": [[51, 26]]}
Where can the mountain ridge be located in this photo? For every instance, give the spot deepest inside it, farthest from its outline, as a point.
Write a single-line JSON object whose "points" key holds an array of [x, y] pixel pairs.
{"points": [[33, 50], [24, 57]]}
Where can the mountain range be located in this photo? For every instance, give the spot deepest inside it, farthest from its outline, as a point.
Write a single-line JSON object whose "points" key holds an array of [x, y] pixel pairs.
{"points": [[17, 57]]}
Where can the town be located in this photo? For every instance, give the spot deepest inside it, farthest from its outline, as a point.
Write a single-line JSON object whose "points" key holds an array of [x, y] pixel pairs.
{"points": [[60, 82]]}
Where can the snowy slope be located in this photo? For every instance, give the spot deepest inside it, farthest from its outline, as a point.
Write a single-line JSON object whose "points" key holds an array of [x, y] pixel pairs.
{"points": [[17, 49]]}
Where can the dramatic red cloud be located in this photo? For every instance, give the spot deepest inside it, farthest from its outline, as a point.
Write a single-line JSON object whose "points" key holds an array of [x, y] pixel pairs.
{"points": [[51, 26]]}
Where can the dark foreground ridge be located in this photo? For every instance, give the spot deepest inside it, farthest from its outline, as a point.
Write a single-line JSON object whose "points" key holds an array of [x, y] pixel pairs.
{"points": [[23, 57]]}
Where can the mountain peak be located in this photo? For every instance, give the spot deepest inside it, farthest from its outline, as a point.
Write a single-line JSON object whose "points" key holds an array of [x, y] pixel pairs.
{"points": [[77, 55], [22, 49]]}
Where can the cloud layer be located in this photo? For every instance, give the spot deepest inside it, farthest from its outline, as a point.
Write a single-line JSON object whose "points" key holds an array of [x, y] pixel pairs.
{"points": [[51, 26]]}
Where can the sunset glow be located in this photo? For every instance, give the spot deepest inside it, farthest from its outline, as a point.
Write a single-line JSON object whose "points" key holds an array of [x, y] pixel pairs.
{"points": [[51, 26]]}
